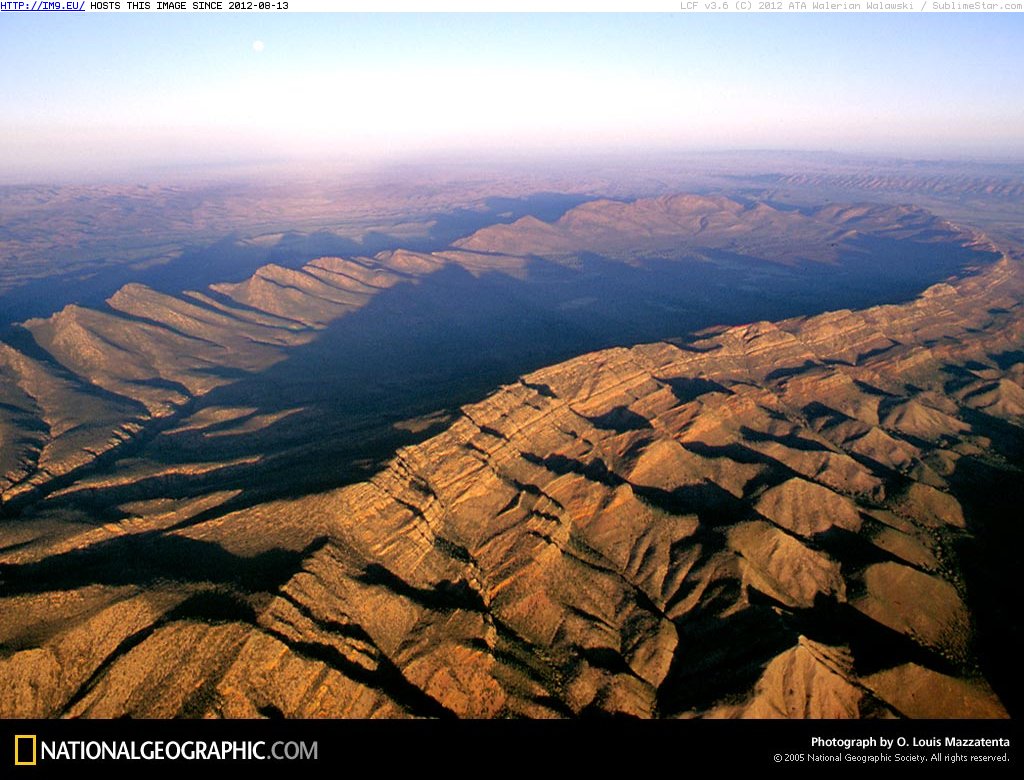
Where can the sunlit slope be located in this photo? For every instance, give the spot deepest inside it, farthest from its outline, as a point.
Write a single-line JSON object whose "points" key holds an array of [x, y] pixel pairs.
{"points": [[806, 518]]}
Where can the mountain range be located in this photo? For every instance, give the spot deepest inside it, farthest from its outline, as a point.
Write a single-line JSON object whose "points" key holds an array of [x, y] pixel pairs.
{"points": [[255, 500]]}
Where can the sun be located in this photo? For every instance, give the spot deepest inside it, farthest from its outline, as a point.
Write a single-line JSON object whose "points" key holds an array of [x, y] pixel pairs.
{"points": [[258, 46]]}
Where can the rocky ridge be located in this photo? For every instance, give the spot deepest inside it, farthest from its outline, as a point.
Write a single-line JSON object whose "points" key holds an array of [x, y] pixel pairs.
{"points": [[803, 518], [85, 383], [768, 522]]}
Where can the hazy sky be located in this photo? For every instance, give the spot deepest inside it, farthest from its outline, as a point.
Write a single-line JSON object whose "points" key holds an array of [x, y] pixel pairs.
{"points": [[99, 92]]}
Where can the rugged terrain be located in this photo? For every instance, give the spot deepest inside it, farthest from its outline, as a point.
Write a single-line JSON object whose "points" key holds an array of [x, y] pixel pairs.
{"points": [[811, 517], [88, 384]]}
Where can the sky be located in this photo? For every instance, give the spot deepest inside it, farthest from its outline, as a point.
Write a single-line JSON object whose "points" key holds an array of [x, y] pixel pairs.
{"points": [[90, 94]]}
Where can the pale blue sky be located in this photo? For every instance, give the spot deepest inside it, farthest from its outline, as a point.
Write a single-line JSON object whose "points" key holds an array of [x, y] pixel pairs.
{"points": [[92, 92]]}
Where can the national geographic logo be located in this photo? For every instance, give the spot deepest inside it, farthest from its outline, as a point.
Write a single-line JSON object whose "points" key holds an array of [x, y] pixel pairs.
{"points": [[25, 750], [29, 750]]}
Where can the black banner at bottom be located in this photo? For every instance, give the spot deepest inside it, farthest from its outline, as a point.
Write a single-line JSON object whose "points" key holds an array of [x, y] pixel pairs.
{"points": [[36, 747]]}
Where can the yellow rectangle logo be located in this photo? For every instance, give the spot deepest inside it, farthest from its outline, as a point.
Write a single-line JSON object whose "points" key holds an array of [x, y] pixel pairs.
{"points": [[21, 748]]}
